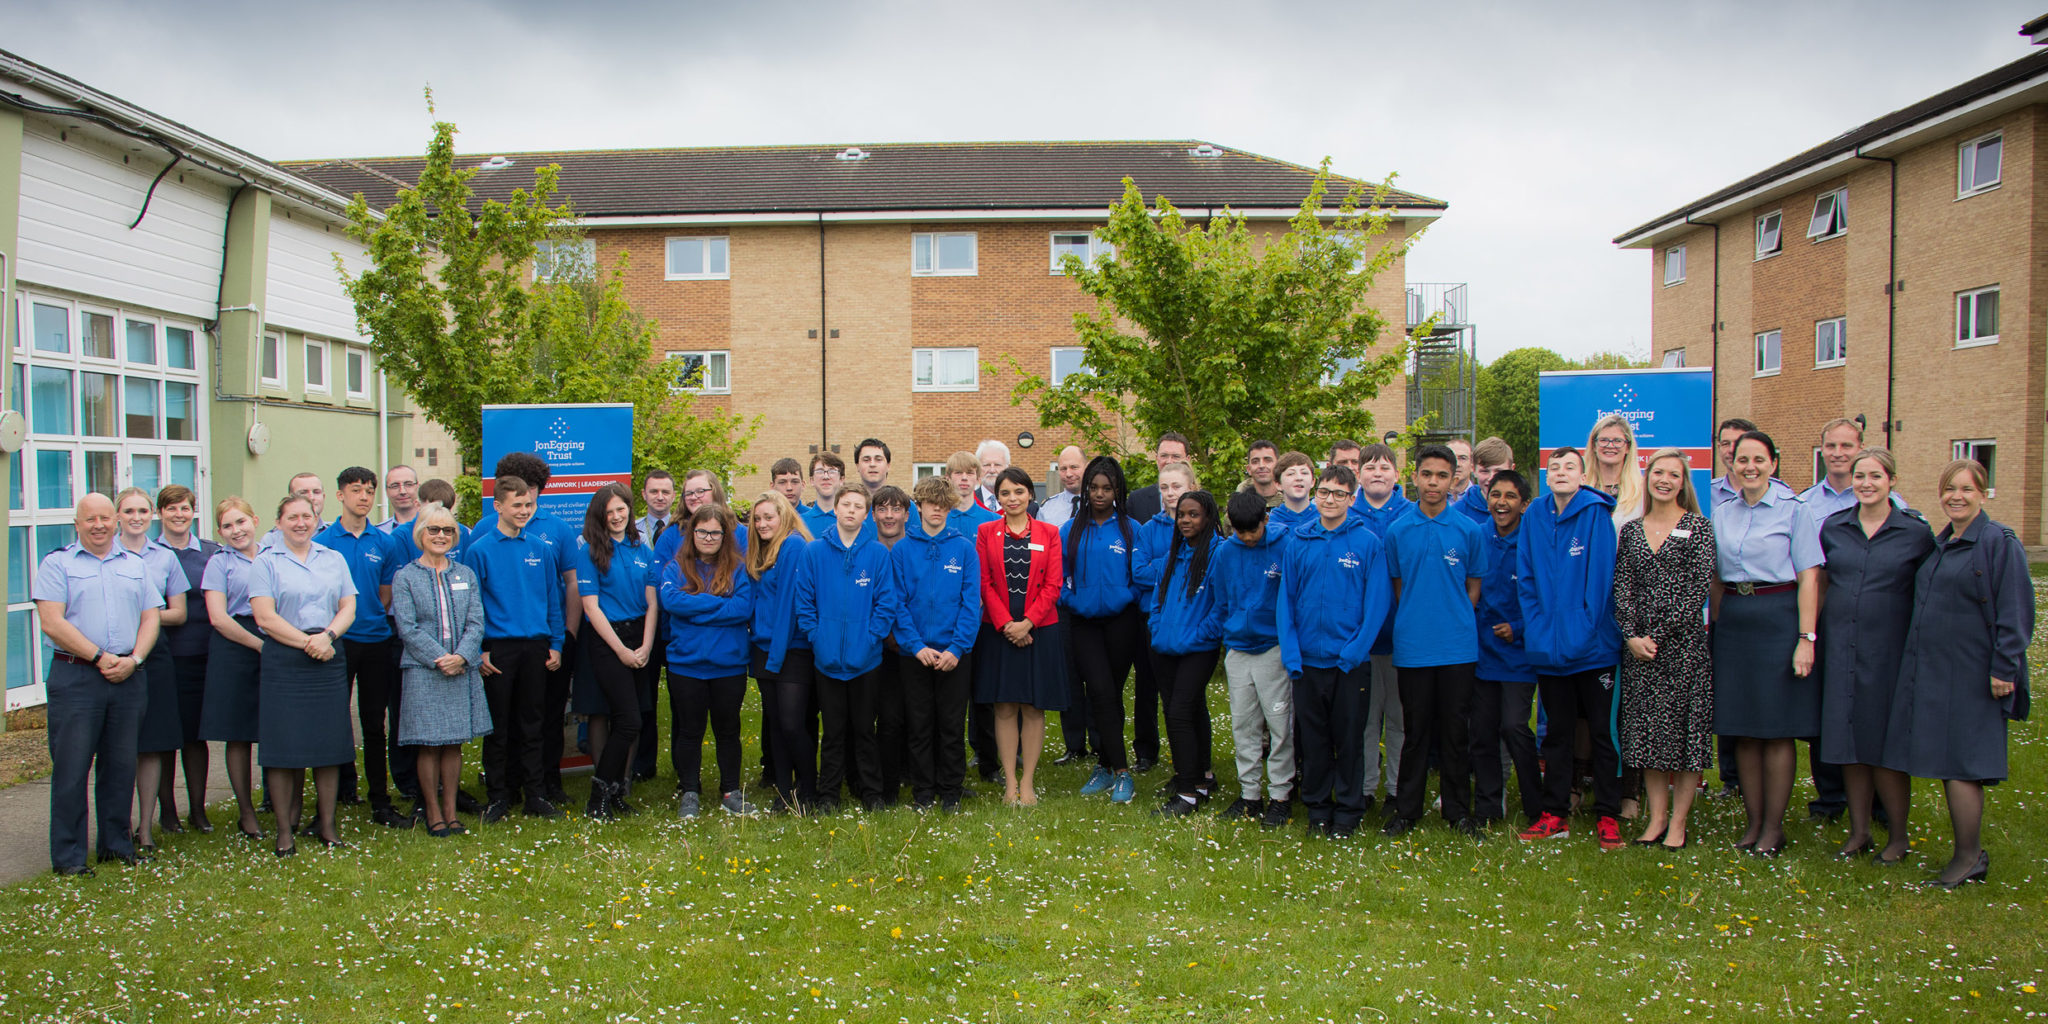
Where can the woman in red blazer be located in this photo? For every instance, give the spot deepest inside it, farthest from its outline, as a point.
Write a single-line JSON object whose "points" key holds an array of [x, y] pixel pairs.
{"points": [[1020, 665]]}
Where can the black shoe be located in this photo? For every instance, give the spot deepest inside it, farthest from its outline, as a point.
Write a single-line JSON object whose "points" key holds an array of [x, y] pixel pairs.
{"points": [[1142, 764], [1470, 828], [169, 826], [873, 804], [498, 811], [556, 794], [1656, 840], [1244, 807], [1317, 827], [1342, 832], [1176, 806], [1072, 756], [643, 776], [390, 818], [1398, 826], [126, 858], [75, 871], [827, 805], [349, 799], [967, 792], [541, 807], [1276, 814], [1980, 873], [950, 806], [1823, 816], [334, 844], [466, 804], [289, 851]]}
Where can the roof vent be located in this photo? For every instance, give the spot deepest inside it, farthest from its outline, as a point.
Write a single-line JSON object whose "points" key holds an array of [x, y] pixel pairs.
{"points": [[1205, 150], [495, 163], [852, 153]]}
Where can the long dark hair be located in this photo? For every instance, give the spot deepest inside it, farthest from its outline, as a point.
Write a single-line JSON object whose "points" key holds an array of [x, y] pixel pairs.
{"points": [[597, 533], [723, 565], [1198, 564], [1084, 516]]}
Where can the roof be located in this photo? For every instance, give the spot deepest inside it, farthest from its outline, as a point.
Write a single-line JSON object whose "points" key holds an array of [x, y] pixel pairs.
{"points": [[964, 176], [2017, 73]]}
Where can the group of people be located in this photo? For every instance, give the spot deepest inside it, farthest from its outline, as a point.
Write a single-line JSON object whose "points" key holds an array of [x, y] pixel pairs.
{"points": [[890, 632]]}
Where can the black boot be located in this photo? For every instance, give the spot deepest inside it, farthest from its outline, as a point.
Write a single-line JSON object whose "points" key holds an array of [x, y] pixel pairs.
{"points": [[600, 805]]}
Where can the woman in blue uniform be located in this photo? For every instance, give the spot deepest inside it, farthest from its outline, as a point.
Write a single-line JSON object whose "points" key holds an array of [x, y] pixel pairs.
{"points": [[616, 576], [1873, 549], [162, 732], [439, 609], [710, 603], [304, 600], [1964, 671], [781, 654], [233, 654], [188, 643]]}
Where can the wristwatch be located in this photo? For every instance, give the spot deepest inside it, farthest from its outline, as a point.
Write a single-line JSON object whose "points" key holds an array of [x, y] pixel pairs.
{"points": [[331, 638], [1810, 637]]}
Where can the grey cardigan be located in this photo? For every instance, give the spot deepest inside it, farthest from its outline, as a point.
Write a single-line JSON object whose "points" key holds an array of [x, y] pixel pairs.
{"points": [[415, 605]]}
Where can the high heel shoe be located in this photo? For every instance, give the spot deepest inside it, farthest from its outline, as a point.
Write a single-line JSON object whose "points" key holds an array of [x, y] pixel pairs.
{"points": [[1747, 846], [200, 823], [1852, 852], [287, 851], [1770, 852], [1682, 843], [1980, 873], [1656, 840], [1877, 857]]}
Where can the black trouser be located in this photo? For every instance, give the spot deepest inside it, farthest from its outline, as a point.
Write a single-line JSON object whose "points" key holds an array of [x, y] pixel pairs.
{"points": [[1436, 704], [1144, 697], [93, 729], [1724, 755], [621, 685], [935, 705], [1184, 683], [405, 776], [847, 753], [646, 755], [1329, 743], [789, 709], [1103, 650], [690, 702], [376, 685], [889, 721], [1566, 699], [515, 694], [1077, 722], [1500, 717], [555, 716], [981, 733], [1831, 793]]}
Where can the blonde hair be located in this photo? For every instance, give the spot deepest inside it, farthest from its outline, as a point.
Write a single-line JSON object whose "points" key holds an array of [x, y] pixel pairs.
{"points": [[1687, 498], [963, 462], [762, 552], [1184, 469], [127, 492], [1628, 492], [236, 501], [1883, 457], [432, 513]]}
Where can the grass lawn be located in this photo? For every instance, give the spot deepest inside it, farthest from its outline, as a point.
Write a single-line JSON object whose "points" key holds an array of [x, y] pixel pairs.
{"points": [[1077, 910]]}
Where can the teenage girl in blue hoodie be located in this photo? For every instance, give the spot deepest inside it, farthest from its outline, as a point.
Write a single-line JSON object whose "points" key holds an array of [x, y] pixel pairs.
{"points": [[710, 603], [781, 658], [846, 602], [1101, 596], [1185, 637]]}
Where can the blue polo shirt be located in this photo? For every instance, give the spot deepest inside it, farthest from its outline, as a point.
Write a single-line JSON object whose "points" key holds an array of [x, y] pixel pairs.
{"points": [[103, 597], [621, 589], [521, 583], [306, 594], [373, 559], [817, 520], [1433, 557]]}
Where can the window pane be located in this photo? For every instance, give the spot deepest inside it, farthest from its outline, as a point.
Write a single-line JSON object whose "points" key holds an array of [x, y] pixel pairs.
{"points": [[14, 497], [53, 329], [139, 394], [98, 335], [355, 373], [96, 405], [1773, 342], [272, 353], [50, 538], [49, 400], [185, 470], [921, 252], [714, 372], [1068, 245], [685, 256], [181, 421], [1066, 362], [921, 368], [1989, 156], [17, 388], [1987, 314], [956, 252], [316, 365], [178, 348], [141, 342], [716, 259], [20, 565], [53, 478], [20, 647], [100, 475], [146, 472]]}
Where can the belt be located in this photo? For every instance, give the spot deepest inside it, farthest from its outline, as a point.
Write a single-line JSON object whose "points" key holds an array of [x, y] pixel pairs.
{"points": [[1748, 589], [75, 660]]}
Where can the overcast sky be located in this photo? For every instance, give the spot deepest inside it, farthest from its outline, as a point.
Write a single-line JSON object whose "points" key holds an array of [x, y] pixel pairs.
{"points": [[1549, 128]]}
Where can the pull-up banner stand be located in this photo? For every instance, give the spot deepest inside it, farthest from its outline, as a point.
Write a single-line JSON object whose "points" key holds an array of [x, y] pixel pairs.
{"points": [[585, 447], [1667, 408]]}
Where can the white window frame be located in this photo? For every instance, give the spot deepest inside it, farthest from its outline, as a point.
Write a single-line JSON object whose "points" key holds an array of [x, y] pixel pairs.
{"points": [[1757, 359], [1820, 465], [323, 361], [723, 357], [1969, 448], [1964, 321], [1674, 259], [1673, 358], [273, 340], [1771, 224], [544, 259], [1836, 201], [1840, 355], [932, 356], [351, 354], [1053, 363], [1098, 250], [920, 470], [705, 244], [1967, 182], [931, 239]]}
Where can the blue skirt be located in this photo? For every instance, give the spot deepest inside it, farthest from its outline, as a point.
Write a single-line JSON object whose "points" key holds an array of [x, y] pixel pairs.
{"points": [[1005, 673], [233, 674], [304, 722]]}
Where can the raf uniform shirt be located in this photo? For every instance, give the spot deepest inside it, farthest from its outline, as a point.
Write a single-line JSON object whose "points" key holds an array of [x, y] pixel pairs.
{"points": [[103, 597]]}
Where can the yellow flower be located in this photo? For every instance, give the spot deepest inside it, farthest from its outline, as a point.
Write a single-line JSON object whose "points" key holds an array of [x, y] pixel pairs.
{"points": [[895, 933]]}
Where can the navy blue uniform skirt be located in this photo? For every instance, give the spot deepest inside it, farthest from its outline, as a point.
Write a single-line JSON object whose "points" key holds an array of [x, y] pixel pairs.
{"points": [[191, 694], [1755, 693], [161, 729], [1005, 673], [232, 689], [304, 722]]}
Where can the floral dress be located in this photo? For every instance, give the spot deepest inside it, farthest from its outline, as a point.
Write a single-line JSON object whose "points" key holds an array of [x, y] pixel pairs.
{"points": [[1667, 704]]}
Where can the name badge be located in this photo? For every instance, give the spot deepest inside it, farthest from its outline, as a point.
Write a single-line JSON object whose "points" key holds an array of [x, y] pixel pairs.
{"points": [[458, 586], [1681, 534], [1038, 547]]}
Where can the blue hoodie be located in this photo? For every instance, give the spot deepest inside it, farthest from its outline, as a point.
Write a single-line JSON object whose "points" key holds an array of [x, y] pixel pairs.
{"points": [[1101, 567], [1501, 661], [1473, 504], [775, 605], [1286, 520], [1566, 565], [1334, 596], [707, 632], [938, 580], [1183, 624], [1377, 520], [672, 540], [846, 603], [1155, 539], [1248, 590]]}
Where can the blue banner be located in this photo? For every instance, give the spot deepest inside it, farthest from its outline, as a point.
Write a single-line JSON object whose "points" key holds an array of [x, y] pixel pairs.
{"points": [[585, 447], [1667, 408]]}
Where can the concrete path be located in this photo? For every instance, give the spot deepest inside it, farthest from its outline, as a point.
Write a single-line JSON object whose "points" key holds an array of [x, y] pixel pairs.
{"points": [[25, 820]]}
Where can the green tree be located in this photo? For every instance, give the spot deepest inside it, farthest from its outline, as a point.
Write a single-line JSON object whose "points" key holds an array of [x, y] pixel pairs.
{"points": [[453, 319], [1507, 399], [1201, 329]]}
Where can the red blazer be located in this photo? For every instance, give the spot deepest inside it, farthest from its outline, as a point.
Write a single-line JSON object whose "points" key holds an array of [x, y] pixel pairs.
{"points": [[1042, 587]]}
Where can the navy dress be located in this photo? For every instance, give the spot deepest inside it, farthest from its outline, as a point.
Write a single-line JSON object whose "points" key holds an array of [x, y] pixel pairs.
{"points": [[189, 643], [1863, 620], [1005, 673], [162, 729], [1973, 616]]}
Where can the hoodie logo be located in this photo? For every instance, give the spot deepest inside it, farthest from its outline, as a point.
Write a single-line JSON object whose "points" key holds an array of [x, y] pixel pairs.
{"points": [[862, 580], [953, 566], [1273, 571], [1576, 549], [1348, 560]]}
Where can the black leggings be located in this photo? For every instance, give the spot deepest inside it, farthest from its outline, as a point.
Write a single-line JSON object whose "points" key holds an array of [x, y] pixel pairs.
{"points": [[1184, 687], [621, 686], [789, 708], [1104, 650], [690, 701]]}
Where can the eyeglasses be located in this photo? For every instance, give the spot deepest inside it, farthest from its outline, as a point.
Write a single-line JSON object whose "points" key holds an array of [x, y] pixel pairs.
{"points": [[709, 534], [696, 492], [440, 531], [1332, 493], [822, 473], [1612, 442]]}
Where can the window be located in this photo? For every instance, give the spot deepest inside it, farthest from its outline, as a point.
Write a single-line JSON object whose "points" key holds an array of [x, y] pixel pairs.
{"points": [[98, 403], [178, 348], [96, 330], [1353, 241], [1066, 362], [566, 260], [924, 469], [1983, 453], [356, 363], [940, 255], [52, 328], [1673, 358], [1830, 342], [1830, 215], [945, 369], [703, 372], [1770, 239], [1978, 163], [697, 259], [139, 395], [1767, 352], [1083, 244], [142, 342], [1674, 265], [316, 366], [1977, 317], [1342, 369], [273, 361], [181, 416], [1820, 466]]}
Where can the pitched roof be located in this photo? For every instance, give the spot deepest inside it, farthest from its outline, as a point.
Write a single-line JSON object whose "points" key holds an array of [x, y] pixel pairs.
{"points": [[963, 176]]}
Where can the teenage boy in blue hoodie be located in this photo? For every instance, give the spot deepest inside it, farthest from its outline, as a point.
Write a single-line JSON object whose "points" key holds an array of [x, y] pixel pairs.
{"points": [[1566, 564], [938, 578], [846, 602], [1334, 595], [1437, 559], [1505, 686], [518, 574], [1379, 504], [1246, 571], [1488, 457], [1296, 473]]}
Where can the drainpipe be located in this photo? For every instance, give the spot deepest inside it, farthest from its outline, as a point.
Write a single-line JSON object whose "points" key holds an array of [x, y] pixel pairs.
{"points": [[1891, 292], [824, 438], [1714, 331], [383, 438]]}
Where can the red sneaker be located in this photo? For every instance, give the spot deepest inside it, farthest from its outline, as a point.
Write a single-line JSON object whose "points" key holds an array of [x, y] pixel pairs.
{"points": [[1610, 834], [1550, 826]]}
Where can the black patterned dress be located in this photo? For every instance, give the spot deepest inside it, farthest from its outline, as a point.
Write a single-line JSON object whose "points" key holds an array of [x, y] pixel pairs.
{"points": [[1667, 704]]}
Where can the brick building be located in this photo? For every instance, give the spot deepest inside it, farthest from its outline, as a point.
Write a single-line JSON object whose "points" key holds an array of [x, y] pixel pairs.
{"points": [[1923, 237], [848, 292]]}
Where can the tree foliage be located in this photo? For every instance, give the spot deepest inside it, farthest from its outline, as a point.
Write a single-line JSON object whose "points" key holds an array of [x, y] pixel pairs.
{"points": [[1206, 330], [453, 319]]}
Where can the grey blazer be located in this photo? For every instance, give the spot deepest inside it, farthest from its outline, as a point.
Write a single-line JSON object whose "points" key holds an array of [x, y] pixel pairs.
{"points": [[416, 606]]}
